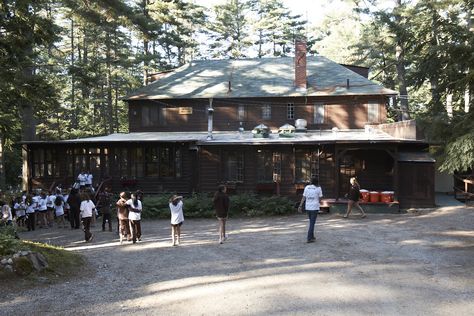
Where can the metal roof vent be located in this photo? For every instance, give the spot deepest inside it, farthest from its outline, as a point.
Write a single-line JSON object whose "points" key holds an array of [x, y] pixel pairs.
{"points": [[261, 131], [301, 125], [286, 130]]}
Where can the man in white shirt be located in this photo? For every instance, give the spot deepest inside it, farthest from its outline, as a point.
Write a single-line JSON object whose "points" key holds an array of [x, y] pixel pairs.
{"points": [[311, 195]]}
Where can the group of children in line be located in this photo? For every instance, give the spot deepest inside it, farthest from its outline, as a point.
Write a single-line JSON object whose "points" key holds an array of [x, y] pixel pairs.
{"points": [[77, 206]]}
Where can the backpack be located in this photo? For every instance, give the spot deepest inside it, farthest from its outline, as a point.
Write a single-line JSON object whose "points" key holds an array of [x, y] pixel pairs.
{"points": [[58, 201]]}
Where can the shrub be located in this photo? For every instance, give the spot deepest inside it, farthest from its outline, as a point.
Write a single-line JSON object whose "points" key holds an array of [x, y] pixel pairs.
{"points": [[9, 243], [200, 205]]}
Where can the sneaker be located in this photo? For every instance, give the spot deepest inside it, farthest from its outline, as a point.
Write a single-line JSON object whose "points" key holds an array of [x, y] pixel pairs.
{"points": [[311, 240]]}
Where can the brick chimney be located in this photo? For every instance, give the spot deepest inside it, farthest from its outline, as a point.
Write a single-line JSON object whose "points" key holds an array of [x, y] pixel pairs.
{"points": [[300, 65]]}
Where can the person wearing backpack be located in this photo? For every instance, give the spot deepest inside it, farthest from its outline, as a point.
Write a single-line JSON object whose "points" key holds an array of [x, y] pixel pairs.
{"points": [[59, 209]]}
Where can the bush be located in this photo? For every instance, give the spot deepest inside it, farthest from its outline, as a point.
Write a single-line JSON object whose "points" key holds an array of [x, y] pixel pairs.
{"points": [[9, 243], [200, 205]]}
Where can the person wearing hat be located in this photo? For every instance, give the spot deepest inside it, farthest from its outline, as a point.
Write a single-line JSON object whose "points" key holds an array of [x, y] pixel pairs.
{"points": [[177, 218]]}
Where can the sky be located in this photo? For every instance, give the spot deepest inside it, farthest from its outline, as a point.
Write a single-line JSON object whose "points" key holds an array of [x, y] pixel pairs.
{"points": [[313, 10]]}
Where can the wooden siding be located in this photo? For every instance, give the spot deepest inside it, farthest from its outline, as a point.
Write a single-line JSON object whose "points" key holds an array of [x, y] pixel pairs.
{"points": [[341, 112], [416, 184]]}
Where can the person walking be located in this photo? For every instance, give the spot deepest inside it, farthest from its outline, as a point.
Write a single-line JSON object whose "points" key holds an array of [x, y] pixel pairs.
{"points": [[87, 211], [311, 196], [134, 217], [122, 215], [74, 202], [103, 204], [177, 218], [30, 213], [221, 205], [353, 198]]}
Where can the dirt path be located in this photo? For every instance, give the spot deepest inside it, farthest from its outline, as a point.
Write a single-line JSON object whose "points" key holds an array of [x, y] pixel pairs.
{"points": [[386, 264]]}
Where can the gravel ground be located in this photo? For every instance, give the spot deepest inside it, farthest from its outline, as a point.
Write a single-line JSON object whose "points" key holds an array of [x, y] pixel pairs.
{"points": [[418, 263]]}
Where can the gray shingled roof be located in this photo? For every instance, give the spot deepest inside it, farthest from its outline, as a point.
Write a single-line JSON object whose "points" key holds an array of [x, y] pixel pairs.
{"points": [[236, 138], [261, 77]]}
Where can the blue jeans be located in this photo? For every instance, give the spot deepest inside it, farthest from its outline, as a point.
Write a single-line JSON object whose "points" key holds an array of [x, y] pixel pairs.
{"points": [[312, 214]]}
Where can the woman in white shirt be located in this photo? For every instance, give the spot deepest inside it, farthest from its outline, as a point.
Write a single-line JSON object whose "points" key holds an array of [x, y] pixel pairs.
{"points": [[177, 218], [20, 214], [43, 210], [134, 216], [87, 211]]}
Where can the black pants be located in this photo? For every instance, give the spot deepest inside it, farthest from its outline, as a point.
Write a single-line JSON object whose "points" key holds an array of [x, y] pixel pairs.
{"points": [[107, 217], [86, 221], [31, 221], [74, 218], [135, 230]]}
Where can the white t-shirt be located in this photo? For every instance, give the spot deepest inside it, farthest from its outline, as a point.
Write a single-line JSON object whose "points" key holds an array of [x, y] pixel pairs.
{"points": [[42, 204], [134, 216], [87, 208], [312, 195], [81, 178], [59, 209], [50, 200], [19, 209], [7, 213], [35, 200], [176, 213], [89, 179]]}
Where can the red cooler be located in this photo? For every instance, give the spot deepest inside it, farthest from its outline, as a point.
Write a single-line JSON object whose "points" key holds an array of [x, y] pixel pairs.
{"points": [[365, 195], [374, 196], [386, 196]]}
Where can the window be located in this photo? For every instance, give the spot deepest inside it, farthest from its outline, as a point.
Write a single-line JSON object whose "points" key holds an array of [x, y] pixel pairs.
{"points": [[268, 166], [149, 115], [373, 112], [290, 111], [241, 113], [151, 162], [318, 111], [136, 162], [163, 162], [234, 167], [121, 159], [163, 116], [266, 112], [45, 163], [306, 165]]}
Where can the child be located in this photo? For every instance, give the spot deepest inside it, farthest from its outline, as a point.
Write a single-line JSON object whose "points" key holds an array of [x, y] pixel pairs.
{"points": [[59, 209], [87, 211], [104, 206], [30, 213], [134, 217], [20, 214], [177, 218], [7, 217]]}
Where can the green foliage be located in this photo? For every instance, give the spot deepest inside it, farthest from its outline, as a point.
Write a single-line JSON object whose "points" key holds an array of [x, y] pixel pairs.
{"points": [[8, 243], [200, 205]]}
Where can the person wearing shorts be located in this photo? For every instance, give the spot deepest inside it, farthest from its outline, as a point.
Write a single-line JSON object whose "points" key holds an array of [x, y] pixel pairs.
{"points": [[177, 218], [221, 206]]}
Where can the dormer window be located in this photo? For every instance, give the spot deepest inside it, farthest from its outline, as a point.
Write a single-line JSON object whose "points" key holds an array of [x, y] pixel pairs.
{"points": [[266, 112], [373, 112], [290, 111], [318, 111]]}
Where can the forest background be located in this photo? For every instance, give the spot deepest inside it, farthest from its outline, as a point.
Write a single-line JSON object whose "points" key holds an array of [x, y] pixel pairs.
{"points": [[65, 64]]}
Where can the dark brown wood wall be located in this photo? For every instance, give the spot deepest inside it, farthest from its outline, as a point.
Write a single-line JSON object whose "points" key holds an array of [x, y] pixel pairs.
{"points": [[341, 112], [416, 184]]}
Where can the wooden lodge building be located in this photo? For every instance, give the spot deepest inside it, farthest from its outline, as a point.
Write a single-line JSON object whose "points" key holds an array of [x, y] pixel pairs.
{"points": [[194, 128]]}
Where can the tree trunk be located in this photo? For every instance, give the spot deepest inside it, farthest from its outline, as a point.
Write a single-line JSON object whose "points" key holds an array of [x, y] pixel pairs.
{"points": [[400, 65], [75, 119], [109, 108], [449, 105], [2, 166]]}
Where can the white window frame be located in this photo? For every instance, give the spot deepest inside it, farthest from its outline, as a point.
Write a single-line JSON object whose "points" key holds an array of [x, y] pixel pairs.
{"points": [[319, 113]]}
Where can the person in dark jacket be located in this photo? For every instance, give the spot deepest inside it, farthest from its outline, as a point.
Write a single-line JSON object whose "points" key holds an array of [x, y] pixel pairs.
{"points": [[74, 201], [353, 198], [221, 206]]}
